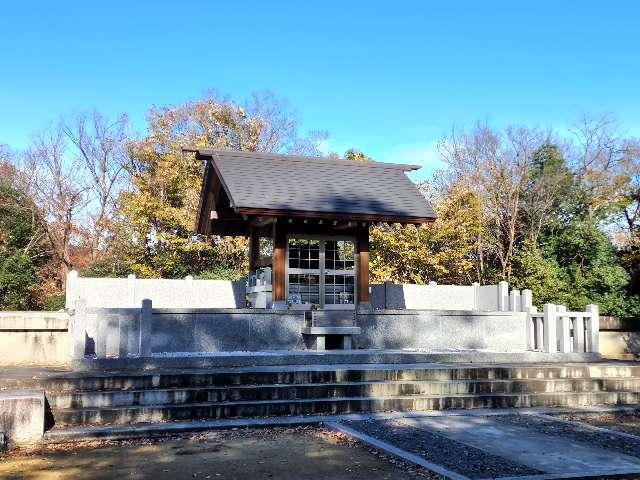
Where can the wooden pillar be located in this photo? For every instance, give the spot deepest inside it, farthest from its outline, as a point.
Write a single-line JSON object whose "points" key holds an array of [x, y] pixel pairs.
{"points": [[362, 242], [279, 258], [254, 249]]}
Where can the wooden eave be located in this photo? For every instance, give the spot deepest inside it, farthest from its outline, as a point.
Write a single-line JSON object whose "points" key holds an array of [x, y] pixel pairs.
{"points": [[360, 217]]}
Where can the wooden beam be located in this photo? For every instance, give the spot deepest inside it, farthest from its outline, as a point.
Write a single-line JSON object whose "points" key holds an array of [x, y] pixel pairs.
{"points": [[334, 216], [317, 229], [362, 242], [254, 248], [233, 228], [261, 221], [344, 226], [279, 258]]}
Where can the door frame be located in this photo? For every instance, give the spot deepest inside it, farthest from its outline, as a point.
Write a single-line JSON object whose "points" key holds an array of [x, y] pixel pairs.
{"points": [[322, 239]]}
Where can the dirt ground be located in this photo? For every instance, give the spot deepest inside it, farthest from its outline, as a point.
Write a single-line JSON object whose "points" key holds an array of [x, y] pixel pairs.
{"points": [[283, 453]]}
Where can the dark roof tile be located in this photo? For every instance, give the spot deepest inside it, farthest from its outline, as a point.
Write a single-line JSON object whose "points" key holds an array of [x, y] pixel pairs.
{"points": [[309, 184]]}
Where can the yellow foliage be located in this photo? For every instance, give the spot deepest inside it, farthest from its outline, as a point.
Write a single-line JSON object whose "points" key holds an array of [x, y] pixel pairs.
{"points": [[441, 251]]}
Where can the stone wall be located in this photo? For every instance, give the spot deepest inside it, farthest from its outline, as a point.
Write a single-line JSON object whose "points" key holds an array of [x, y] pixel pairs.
{"points": [[22, 415], [620, 337], [34, 337], [121, 332], [484, 298], [189, 293], [442, 330], [225, 330], [165, 293]]}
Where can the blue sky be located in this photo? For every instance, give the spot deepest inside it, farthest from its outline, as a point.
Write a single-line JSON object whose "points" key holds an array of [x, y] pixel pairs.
{"points": [[388, 78]]}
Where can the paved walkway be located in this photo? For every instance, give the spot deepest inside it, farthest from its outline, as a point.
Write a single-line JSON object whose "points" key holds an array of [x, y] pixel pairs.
{"points": [[502, 446]]}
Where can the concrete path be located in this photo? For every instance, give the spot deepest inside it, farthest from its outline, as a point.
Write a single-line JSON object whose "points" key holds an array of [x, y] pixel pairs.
{"points": [[553, 453], [547, 453]]}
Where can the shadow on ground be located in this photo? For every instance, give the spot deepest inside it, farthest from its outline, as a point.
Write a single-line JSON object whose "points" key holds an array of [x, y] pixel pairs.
{"points": [[287, 454]]}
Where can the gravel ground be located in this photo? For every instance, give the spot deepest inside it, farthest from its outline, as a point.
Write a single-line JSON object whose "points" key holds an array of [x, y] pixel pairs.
{"points": [[300, 453], [438, 449], [573, 432], [628, 422]]}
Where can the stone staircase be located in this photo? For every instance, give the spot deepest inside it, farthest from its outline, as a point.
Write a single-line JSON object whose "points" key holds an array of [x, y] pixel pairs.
{"points": [[121, 398]]}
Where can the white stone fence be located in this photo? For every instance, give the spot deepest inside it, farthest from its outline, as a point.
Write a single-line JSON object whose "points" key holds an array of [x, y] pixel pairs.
{"points": [[165, 293], [432, 296], [557, 330], [189, 293], [552, 330]]}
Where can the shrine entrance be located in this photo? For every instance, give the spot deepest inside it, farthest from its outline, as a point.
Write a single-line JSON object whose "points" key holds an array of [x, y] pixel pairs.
{"points": [[321, 271]]}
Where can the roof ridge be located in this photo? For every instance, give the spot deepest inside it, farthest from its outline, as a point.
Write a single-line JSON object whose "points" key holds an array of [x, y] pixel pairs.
{"points": [[208, 152]]}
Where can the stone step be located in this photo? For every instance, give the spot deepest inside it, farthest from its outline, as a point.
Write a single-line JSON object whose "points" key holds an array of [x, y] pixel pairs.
{"points": [[316, 374], [186, 395], [266, 408], [333, 318]]}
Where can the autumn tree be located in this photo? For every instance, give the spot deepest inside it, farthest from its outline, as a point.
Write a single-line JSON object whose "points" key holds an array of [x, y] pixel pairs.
{"points": [[496, 166], [440, 251], [160, 209], [99, 149], [54, 181], [549, 196], [602, 159], [24, 253], [356, 155], [73, 171]]}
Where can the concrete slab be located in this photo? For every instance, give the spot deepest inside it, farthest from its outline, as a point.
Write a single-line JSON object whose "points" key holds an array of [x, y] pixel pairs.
{"points": [[543, 452], [359, 356], [22, 415]]}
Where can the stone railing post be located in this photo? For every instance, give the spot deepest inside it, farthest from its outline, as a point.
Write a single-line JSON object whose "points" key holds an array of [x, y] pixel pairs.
{"points": [[188, 294], [131, 290], [578, 334], [71, 287], [549, 341], [530, 327], [526, 300], [514, 301], [387, 286], [593, 331], [145, 328], [476, 295], [563, 329], [78, 325], [503, 296]]}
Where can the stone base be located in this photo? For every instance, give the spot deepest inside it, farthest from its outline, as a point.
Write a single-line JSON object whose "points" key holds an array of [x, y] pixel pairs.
{"points": [[22, 414], [328, 357], [316, 337]]}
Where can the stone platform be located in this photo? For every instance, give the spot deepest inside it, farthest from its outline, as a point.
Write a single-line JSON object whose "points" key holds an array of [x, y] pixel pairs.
{"points": [[327, 357], [101, 398]]}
